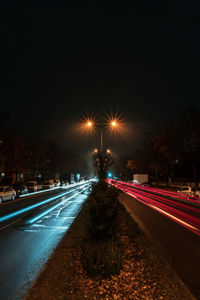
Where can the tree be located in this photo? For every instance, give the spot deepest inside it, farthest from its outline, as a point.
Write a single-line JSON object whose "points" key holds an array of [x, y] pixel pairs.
{"points": [[190, 133], [44, 158], [15, 153], [168, 144], [102, 161]]}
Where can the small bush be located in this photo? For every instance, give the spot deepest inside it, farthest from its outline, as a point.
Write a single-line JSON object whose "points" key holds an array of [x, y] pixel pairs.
{"points": [[101, 253], [102, 258], [101, 219]]}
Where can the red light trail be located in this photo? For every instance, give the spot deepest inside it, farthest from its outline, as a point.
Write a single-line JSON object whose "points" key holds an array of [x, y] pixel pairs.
{"points": [[184, 211]]}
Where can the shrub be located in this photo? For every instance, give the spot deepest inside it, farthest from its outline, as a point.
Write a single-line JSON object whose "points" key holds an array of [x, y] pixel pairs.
{"points": [[102, 258], [101, 252]]}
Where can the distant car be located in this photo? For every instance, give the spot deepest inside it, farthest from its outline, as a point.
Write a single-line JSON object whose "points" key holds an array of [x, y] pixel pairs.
{"points": [[64, 182], [189, 191], [147, 184], [20, 189], [32, 186], [56, 182], [47, 184], [198, 193], [7, 193]]}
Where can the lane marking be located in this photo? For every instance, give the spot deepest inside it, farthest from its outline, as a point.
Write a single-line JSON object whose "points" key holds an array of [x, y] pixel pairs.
{"points": [[30, 221], [10, 224], [185, 224]]}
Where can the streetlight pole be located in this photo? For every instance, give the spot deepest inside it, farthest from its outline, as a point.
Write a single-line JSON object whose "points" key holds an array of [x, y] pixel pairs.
{"points": [[102, 160], [101, 140], [90, 124]]}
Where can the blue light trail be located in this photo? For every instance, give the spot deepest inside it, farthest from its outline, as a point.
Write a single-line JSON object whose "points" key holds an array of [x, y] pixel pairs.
{"points": [[21, 211], [50, 209]]}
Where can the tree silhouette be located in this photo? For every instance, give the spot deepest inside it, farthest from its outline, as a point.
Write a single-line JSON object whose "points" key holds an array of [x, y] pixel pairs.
{"points": [[102, 160]]}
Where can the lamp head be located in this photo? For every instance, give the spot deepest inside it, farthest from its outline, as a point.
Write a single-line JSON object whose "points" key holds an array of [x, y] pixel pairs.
{"points": [[113, 123], [89, 124]]}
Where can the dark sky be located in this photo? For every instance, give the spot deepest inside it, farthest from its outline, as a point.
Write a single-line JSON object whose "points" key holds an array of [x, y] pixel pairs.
{"points": [[58, 63]]}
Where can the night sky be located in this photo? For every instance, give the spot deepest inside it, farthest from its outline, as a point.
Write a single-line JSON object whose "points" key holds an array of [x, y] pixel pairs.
{"points": [[58, 64]]}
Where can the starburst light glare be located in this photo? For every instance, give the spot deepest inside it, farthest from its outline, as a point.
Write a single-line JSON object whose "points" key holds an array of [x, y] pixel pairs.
{"points": [[89, 124], [114, 123]]}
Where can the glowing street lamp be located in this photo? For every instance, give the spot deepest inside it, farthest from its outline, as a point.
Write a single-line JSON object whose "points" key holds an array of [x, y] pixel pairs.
{"points": [[112, 124], [89, 124]]}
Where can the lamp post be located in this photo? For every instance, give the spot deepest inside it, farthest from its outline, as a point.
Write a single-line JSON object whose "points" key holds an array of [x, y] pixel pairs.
{"points": [[101, 140], [112, 124], [102, 159]]}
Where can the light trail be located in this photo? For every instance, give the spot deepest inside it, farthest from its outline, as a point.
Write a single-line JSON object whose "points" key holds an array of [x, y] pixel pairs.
{"points": [[21, 211], [186, 216], [52, 208], [181, 222], [184, 213], [39, 192], [179, 196], [171, 202], [54, 188]]}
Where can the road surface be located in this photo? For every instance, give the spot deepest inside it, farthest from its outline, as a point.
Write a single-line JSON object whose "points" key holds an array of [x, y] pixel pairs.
{"points": [[27, 244], [173, 221]]}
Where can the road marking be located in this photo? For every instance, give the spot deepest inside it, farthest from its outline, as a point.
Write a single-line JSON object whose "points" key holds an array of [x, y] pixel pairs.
{"points": [[21, 211], [185, 224], [10, 224], [30, 221]]}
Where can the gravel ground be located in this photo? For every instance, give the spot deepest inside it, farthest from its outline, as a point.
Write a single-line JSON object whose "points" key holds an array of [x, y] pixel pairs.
{"points": [[145, 274]]}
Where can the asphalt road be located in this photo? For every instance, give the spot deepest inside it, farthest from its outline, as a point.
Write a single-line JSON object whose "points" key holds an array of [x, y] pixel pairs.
{"points": [[180, 246], [26, 246]]}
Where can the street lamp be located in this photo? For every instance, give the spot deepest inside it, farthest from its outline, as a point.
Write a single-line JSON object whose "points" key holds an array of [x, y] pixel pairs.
{"points": [[112, 124], [102, 158], [90, 124]]}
